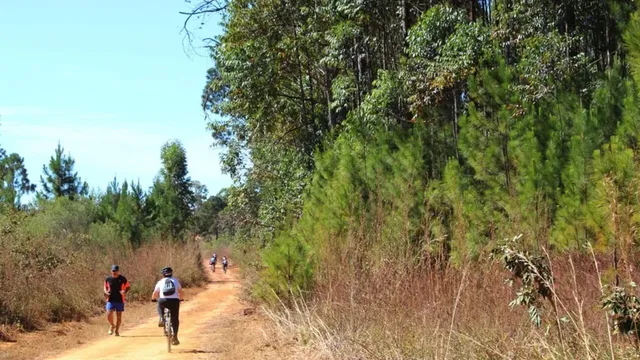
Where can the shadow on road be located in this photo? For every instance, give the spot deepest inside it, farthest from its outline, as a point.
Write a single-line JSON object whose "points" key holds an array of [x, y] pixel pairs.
{"points": [[195, 351], [222, 281], [142, 336]]}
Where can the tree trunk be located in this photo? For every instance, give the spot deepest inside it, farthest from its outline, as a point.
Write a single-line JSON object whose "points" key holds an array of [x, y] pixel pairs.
{"points": [[472, 10], [455, 123], [329, 95], [403, 18]]}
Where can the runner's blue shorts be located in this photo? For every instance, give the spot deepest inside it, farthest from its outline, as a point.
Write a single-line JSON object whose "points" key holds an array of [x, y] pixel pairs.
{"points": [[114, 306]]}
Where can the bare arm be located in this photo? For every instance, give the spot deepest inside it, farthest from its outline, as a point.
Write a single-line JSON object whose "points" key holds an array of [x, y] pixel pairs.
{"points": [[155, 295]]}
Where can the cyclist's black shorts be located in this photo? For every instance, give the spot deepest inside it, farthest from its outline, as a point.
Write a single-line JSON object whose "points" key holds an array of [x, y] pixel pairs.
{"points": [[174, 306], [170, 304]]}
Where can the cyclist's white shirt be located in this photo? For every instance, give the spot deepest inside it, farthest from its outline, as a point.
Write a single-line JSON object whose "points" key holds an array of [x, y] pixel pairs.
{"points": [[160, 286]]}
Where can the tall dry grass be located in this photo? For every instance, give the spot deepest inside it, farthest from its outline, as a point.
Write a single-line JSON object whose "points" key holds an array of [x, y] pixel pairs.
{"points": [[453, 314], [401, 273], [50, 280]]}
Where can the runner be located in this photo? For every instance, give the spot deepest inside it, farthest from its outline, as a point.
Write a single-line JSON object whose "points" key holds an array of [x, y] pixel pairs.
{"points": [[115, 286]]}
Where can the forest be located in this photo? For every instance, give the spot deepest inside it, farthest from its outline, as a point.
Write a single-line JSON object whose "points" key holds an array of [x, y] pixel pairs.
{"points": [[411, 179], [394, 161]]}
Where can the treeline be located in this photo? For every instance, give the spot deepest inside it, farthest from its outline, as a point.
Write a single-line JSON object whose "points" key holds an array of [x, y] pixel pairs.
{"points": [[173, 206], [383, 151], [499, 117], [58, 247]]}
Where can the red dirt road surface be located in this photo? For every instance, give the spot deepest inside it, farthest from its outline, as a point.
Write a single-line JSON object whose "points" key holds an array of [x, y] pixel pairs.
{"points": [[212, 326]]}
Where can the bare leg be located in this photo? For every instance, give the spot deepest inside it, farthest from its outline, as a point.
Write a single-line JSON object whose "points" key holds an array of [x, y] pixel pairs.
{"points": [[110, 317], [119, 320]]}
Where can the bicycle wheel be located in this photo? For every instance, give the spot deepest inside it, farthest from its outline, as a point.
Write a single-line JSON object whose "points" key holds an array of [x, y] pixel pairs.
{"points": [[168, 331]]}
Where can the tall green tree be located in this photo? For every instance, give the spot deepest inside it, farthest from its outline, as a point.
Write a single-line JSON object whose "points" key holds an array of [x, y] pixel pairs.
{"points": [[171, 200], [130, 212], [109, 200], [207, 219], [488, 135], [14, 180], [60, 179], [200, 194], [124, 206]]}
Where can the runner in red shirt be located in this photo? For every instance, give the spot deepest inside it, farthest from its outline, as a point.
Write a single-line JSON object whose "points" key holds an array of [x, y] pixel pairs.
{"points": [[115, 286]]}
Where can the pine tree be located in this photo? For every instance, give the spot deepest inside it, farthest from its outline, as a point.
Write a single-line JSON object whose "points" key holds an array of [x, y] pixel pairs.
{"points": [[614, 205], [124, 206], [570, 230], [171, 199], [59, 179], [14, 180], [489, 137], [108, 203]]}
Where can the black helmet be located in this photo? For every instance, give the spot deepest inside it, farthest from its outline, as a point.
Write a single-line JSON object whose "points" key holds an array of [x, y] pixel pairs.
{"points": [[167, 272]]}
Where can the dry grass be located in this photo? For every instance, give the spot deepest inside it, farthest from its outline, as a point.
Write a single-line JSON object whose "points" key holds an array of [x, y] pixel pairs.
{"points": [[386, 288], [51, 282], [238, 337], [450, 314]]}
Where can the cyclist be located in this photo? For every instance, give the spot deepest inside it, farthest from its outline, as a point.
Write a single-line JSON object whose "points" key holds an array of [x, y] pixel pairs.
{"points": [[213, 261], [168, 292], [225, 262]]}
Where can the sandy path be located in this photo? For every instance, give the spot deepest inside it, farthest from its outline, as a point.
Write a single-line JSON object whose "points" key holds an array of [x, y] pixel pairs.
{"points": [[197, 316]]}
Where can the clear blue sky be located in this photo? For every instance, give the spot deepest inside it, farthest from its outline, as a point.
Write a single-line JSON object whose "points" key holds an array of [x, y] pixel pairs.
{"points": [[110, 81]]}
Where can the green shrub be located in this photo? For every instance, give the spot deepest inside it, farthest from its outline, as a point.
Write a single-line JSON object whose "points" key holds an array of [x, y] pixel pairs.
{"points": [[106, 235], [288, 268], [61, 217]]}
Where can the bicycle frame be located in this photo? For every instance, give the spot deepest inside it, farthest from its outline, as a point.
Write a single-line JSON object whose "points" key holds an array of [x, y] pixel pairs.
{"points": [[168, 330]]}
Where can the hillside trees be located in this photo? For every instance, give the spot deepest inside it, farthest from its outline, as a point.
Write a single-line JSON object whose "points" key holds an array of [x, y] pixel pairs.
{"points": [[512, 102]]}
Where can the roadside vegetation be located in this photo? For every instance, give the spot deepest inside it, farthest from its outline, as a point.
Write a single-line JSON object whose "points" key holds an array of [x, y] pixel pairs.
{"points": [[57, 248], [396, 162]]}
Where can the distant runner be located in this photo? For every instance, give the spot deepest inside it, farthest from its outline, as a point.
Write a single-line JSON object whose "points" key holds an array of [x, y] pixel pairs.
{"points": [[115, 286], [225, 263]]}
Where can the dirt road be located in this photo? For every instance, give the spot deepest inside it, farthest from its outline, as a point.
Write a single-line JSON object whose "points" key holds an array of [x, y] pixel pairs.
{"points": [[212, 325]]}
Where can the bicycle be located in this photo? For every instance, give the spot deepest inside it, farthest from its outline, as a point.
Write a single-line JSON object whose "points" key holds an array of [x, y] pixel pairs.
{"points": [[167, 329]]}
